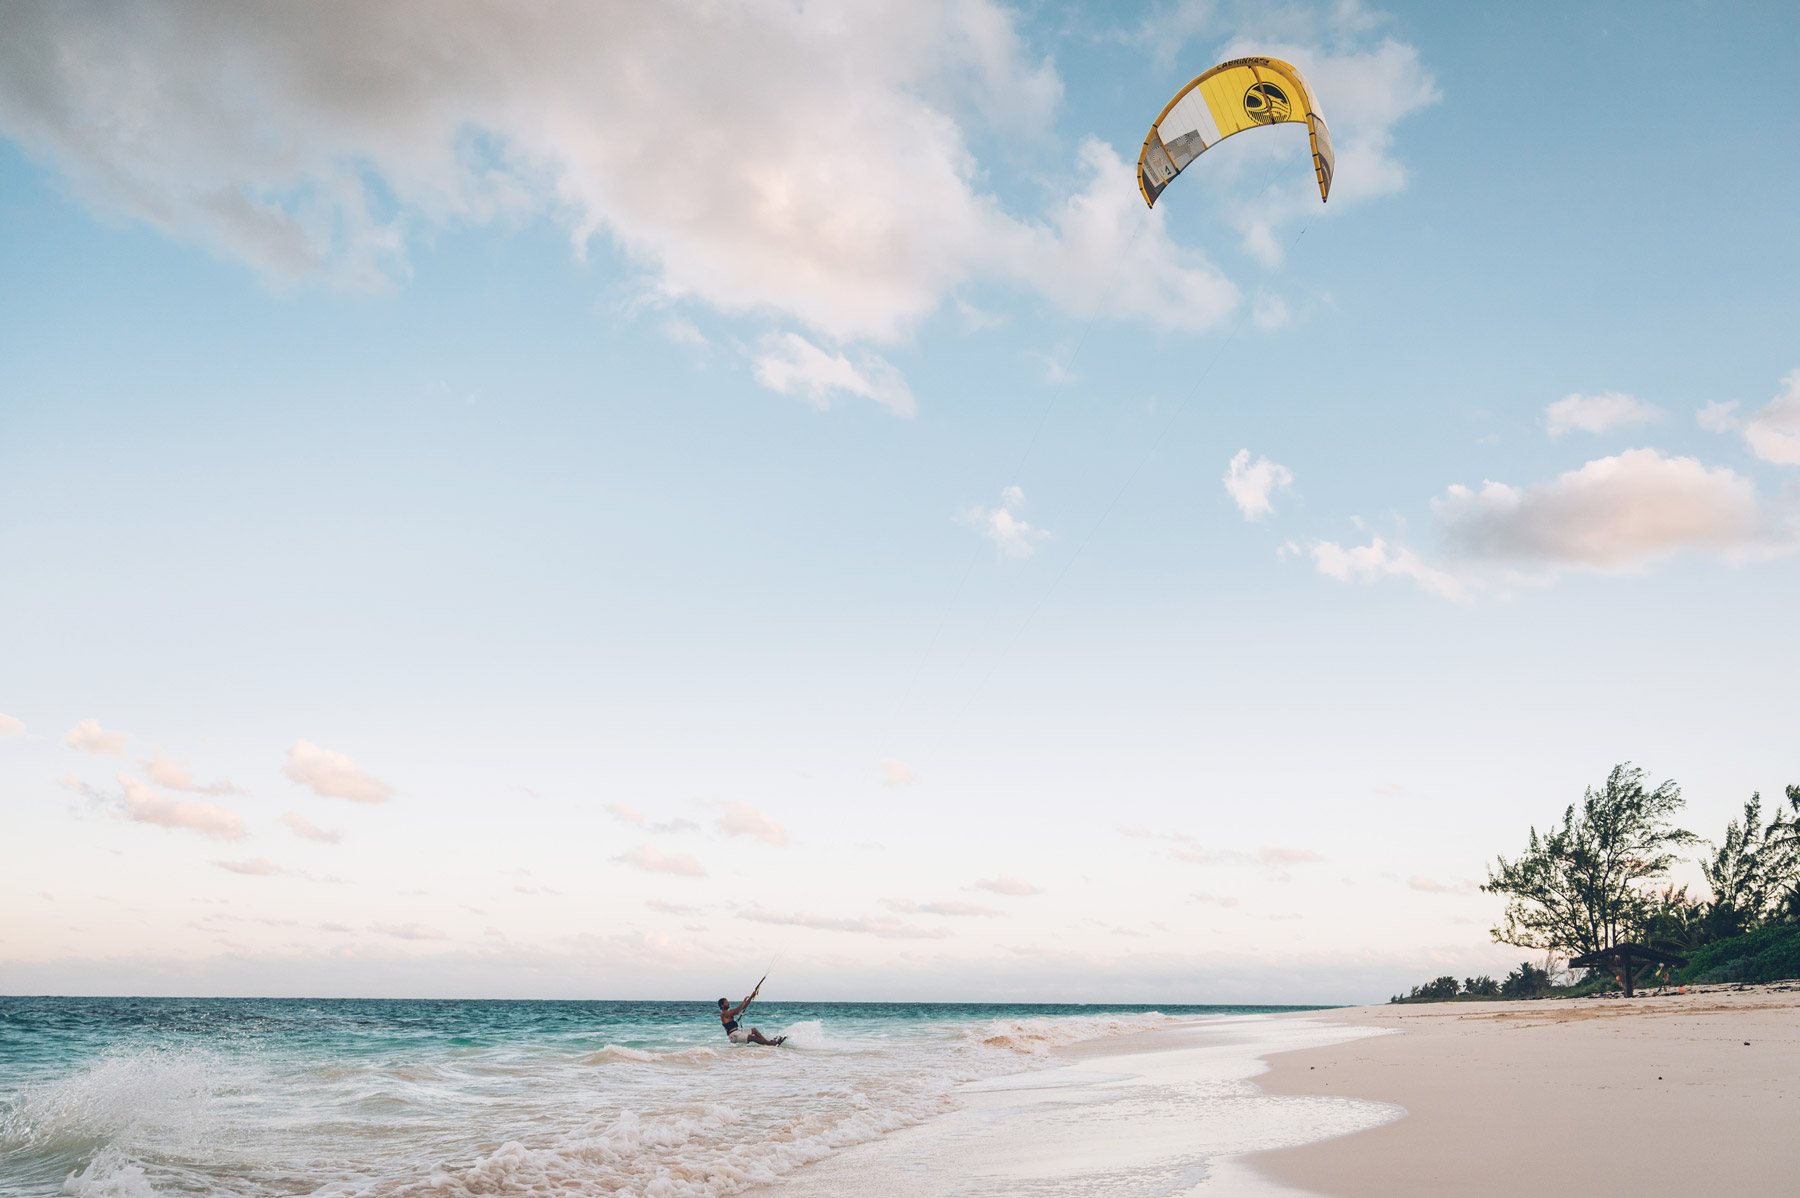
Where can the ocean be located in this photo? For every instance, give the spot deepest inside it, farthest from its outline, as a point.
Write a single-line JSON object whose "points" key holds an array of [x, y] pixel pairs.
{"points": [[132, 1097]]}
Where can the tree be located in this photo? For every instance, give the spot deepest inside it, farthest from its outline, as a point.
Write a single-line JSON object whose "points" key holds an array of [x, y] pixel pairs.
{"points": [[1482, 987], [1747, 872], [1527, 981], [1583, 886]]}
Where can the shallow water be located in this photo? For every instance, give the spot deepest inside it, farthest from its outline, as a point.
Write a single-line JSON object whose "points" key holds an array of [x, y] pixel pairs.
{"points": [[134, 1097]]}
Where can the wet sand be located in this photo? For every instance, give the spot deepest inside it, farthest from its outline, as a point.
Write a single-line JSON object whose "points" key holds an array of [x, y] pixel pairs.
{"points": [[1696, 1093]]}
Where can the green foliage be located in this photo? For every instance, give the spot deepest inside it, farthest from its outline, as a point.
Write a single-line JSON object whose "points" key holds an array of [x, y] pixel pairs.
{"points": [[1749, 871], [1481, 987], [1584, 886], [1769, 954], [1527, 981]]}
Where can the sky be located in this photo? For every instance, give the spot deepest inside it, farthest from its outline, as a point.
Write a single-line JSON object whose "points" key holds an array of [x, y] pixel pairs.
{"points": [[581, 501]]}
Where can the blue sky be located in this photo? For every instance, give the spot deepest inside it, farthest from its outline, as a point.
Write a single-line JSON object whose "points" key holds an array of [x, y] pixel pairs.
{"points": [[758, 484]]}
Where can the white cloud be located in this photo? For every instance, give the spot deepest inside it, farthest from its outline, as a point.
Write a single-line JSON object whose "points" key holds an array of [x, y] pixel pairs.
{"points": [[1269, 312], [144, 804], [9, 726], [1104, 255], [653, 860], [333, 775], [823, 175], [1773, 431], [1597, 413], [1365, 94], [1012, 536], [868, 925], [89, 737], [1717, 417], [1017, 887], [625, 813], [408, 931], [255, 867], [792, 365], [1277, 855], [302, 827], [1614, 513], [741, 819], [896, 773], [1377, 559], [1218, 900], [953, 909], [1430, 885], [175, 775], [1250, 484], [670, 908]]}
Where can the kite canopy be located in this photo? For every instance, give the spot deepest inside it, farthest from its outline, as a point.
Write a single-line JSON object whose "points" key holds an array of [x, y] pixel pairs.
{"points": [[1233, 96]]}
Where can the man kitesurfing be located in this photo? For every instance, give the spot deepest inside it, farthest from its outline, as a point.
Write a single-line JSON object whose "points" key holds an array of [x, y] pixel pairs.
{"points": [[728, 1015]]}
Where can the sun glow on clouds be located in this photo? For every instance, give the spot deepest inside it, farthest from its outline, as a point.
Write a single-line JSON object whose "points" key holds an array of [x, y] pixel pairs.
{"points": [[89, 737], [144, 804], [333, 775], [741, 819], [651, 859]]}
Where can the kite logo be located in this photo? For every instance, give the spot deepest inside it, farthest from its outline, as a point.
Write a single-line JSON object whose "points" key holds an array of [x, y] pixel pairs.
{"points": [[1266, 104]]}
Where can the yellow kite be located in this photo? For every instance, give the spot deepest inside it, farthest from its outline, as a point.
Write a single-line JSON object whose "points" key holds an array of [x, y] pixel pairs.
{"points": [[1233, 96]]}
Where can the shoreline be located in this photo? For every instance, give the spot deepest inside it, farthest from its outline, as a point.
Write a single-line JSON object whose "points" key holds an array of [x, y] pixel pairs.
{"points": [[1698, 1092], [1169, 1110]]}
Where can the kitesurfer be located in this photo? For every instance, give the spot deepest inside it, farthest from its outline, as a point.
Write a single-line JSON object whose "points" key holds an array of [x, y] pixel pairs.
{"points": [[728, 1015]]}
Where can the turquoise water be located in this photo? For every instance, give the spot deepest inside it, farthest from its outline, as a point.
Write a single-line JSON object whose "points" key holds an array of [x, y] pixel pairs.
{"points": [[125, 1098]]}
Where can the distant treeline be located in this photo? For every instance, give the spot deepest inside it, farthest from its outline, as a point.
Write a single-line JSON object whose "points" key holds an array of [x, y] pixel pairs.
{"points": [[1600, 879]]}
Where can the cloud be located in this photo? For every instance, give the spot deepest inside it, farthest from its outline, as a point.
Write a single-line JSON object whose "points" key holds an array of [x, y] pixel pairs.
{"points": [[792, 365], [1269, 312], [1218, 900], [1614, 513], [652, 860], [1433, 886], [1277, 855], [1012, 536], [9, 726], [625, 813], [1773, 431], [1250, 485], [741, 819], [1597, 413], [1717, 417], [145, 805], [868, 925], [408, 931], [1378, 559], [1103, 255], [256, 867], [309, 141], [953, 909], [670, 908], [1005, 885], [174, 774], [300, 826], [89, 737], [896, 773], [1366, 94], [333, 775]]}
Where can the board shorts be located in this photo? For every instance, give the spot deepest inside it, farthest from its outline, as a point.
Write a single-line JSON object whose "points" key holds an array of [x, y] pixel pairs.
{"points": [[741, 1036]]}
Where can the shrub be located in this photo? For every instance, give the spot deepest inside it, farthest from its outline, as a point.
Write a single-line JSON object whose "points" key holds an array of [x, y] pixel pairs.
{"points": [[1769, 954]]}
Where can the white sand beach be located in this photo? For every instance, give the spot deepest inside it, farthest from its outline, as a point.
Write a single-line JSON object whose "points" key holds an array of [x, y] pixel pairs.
{"points": [[1697, 1092]]}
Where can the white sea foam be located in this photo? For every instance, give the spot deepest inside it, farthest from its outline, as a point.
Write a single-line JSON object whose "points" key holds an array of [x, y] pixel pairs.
{"points": [[675, 1120]]}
